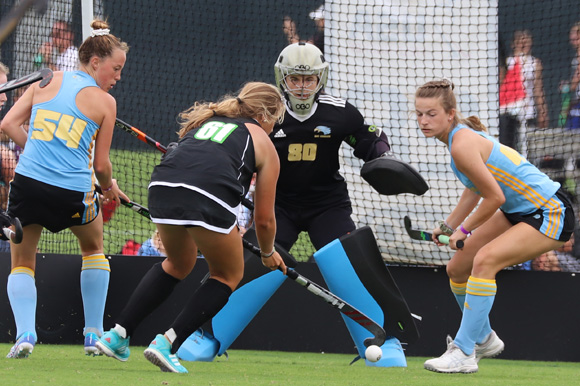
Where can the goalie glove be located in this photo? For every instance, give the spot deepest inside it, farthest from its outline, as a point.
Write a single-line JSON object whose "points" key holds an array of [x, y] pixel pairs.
{"points": [[390, 176]]}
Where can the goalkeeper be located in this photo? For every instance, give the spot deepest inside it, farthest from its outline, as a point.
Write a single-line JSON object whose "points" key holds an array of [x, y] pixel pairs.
{"points": [[311, 195]]}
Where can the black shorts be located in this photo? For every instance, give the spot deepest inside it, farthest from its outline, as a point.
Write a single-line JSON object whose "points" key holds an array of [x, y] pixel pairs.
{"points": [[182, 206], [555, 221], [323, 224], [35, 202]]}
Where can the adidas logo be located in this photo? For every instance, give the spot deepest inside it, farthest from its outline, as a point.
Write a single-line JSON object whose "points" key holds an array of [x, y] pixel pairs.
{"points": [[76, 215], [280, 134]]}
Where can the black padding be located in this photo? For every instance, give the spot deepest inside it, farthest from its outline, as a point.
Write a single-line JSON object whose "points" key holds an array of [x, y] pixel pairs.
{"points": [[364, 255], [390, 176]]}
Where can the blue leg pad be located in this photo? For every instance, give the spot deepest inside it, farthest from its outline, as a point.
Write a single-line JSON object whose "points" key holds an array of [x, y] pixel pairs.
{"points": [[229, 323], [343, 281], [201, 346], [393, 355]]}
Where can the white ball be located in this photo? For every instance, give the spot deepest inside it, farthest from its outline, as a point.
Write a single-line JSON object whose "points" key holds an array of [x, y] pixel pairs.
{"points": [[373, 353]]}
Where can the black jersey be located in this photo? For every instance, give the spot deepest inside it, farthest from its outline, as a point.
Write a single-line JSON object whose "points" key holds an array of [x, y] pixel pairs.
{"points": [[216, 160], [309, 152]]}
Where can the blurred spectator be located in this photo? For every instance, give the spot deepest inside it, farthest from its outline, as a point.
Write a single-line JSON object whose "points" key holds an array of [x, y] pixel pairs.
{"points": [[291, 32], [7, 166], [572, 87], [7, 156], [522, 101], [108, 210], [4, 71], [130, 248], [152, 246], [58, 53], [547, 261], [568, 262]]}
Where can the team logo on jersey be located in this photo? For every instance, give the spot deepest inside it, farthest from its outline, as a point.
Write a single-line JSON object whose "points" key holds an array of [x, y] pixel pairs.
{"points": [[280, 134], [322, 132]]}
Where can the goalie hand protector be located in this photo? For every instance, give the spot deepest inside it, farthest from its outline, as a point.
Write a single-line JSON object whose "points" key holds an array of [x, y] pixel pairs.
{"points": [[390, 176]]}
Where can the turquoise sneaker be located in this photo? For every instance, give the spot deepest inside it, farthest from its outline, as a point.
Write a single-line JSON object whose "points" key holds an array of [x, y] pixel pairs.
{"points": [[23, 346], [159, 353], [90, 340], [112, 345]]}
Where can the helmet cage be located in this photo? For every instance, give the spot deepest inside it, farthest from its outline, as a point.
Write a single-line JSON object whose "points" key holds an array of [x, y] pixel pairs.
{"points": [[302, 93]]}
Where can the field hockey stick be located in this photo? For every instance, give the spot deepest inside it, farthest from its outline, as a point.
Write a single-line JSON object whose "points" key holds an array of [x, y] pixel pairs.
{"points": [[351, 312], [44, 75], [135, 132], [143, 211], [345, 308], [417, 234]]}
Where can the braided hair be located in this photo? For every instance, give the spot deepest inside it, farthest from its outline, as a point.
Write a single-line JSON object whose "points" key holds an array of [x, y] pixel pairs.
{"points": [[443, 90]]}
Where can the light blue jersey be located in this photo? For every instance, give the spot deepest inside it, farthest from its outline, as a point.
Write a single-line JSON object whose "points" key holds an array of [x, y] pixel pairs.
{"points": [[525, 187], [60, 141]]}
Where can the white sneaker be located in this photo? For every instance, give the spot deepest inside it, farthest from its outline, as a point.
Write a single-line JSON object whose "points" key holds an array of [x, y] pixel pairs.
{"points": [[453, 361], [491, 347]]}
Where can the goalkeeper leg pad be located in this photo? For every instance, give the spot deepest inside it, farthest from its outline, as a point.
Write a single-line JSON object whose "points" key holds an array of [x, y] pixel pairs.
{"points": [[242, 306], [353, 269]]}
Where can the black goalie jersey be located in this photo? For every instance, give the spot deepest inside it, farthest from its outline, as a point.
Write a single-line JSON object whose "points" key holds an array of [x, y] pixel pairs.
{"points": [[309, 152]]}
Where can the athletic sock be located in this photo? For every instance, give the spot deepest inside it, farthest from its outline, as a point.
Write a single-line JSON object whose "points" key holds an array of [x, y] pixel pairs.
{"points": [[154, 288], [458, 290], [22, 295], [95, 273], [209, 298], [480, 294]]}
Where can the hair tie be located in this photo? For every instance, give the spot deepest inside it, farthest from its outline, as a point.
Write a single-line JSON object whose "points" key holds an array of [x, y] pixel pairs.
{"points": [[100, 32], [239, 100]]}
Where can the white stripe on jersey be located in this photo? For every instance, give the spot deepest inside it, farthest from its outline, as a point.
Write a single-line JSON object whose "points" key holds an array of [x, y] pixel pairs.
{"points": [[331, 100]]}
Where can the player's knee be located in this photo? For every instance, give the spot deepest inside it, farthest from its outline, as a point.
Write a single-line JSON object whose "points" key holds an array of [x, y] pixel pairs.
{"points": [[485, 263], [458, 273], [231, 279], [178, 268]]}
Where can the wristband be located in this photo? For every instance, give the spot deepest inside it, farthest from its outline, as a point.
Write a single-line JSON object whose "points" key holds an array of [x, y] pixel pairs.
{"points": [[108, 189], [268, 254], [465, 232], [446, 229]]}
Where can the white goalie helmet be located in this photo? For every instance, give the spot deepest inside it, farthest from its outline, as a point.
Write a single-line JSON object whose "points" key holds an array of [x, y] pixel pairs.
{"points": [[300, 59]]}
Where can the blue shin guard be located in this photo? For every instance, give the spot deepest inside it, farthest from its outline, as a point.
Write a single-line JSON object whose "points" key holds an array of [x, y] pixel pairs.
{"points": [[243, 305], [343, 279]]}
